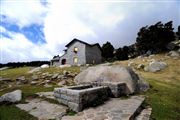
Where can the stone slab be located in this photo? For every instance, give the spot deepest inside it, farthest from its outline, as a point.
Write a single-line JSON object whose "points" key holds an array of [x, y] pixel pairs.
{"points": [[43, 110], [113, 109]]}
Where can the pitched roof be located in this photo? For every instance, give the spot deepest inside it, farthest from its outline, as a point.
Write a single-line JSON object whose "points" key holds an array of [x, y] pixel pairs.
{"points": [[91, 45]]}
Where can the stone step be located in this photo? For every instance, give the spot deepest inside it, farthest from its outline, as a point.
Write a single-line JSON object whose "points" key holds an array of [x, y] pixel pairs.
{"points": [[113, 109]]}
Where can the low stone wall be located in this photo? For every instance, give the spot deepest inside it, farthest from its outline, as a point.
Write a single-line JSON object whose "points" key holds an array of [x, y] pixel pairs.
{"points": [[79, 97], [115, 89]]}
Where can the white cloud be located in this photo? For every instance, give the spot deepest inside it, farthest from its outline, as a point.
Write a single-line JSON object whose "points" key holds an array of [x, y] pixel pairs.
{"points": [[23, 12], [88, 20], [19, 48]]}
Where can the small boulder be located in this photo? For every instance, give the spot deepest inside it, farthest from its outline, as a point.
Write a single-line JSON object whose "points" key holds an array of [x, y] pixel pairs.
{"points": [[65, 73], [140, 66], [64, 66], [4, 68], [6, 80], [35, 70], [47, 85], [130, 64], [45, 74], [21, 80], [63, 82], [54, 76], [173, 54], [12, 97], [155, 66], [45, 66], [60, 77], [34, 77], [34, 82]]}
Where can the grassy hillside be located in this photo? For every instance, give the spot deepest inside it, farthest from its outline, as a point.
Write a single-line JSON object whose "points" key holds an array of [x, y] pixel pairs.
{"points": [[163, 97]]}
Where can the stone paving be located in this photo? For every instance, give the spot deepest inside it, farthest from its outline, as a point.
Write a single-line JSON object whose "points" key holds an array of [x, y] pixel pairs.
{"points": [[113, 109], [43, 110], [145, 114]]}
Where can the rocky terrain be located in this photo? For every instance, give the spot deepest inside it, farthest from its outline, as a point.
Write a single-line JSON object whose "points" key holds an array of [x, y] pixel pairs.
{"points": [[161, 71]]}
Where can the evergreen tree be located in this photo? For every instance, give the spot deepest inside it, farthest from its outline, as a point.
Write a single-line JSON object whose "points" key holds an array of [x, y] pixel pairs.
{"points": [[107, 50], [121, 54], [155, 37]]}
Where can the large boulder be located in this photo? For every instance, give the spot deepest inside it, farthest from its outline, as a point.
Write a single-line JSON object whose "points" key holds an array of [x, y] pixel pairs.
{"points": [[155, 66], [12, 97], [109, 74]]}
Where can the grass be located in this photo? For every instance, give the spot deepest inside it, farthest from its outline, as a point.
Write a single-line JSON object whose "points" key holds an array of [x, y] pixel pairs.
{"points": [[13, 73], [72, 69], [10, 112], [163, 97], [71, 113]]}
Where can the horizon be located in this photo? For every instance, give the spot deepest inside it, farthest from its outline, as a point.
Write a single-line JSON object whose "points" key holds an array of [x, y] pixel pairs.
{"points": [[37, 30]]}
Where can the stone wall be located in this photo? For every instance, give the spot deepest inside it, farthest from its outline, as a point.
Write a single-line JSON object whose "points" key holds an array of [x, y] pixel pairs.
{"points": [[115, 89], [79, 98], [93, 55]]}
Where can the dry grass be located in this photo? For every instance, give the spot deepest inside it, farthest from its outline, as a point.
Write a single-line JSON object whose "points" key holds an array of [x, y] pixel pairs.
{"points": [[164, 95]]}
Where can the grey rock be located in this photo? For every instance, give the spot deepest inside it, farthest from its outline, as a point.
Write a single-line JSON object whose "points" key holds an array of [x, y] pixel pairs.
{"points": [[155, 66], [145, 114], [130, 64], [173, 54], [34, 82], [43, 110], [47, 81], [45, 74], [174, 45], [6, 80], [21, 80], [12, 97], [35, 70], [47, 85], [60, 76], [143, 85], [34, 77], [65, 66], [63, 82], [4, 68], [45, 66], [55, 75], [65, 72], [105, 74], [140, 66], [46, 94]]}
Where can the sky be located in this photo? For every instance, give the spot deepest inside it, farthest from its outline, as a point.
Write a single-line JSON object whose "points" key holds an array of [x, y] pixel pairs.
{"points": [[33, 30]]}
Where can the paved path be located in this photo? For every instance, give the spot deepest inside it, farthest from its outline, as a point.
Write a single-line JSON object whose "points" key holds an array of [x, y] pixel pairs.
{"points": [[114, 109], [43, 110]]}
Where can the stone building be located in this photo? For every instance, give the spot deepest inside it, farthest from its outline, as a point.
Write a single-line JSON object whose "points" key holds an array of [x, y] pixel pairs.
{"points": [[79, 53]]}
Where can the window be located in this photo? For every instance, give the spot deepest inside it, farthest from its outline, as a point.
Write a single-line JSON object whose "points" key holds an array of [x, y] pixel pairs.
{"points": [[75, 49], [75, 60]]}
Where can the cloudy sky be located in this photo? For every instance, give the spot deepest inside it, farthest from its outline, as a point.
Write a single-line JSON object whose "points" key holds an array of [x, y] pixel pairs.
{"points": [[39, 29]]}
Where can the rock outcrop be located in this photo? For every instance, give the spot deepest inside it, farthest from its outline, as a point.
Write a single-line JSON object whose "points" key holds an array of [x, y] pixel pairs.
{"points": [[155, 66], [12, 97], [106, 74]]}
